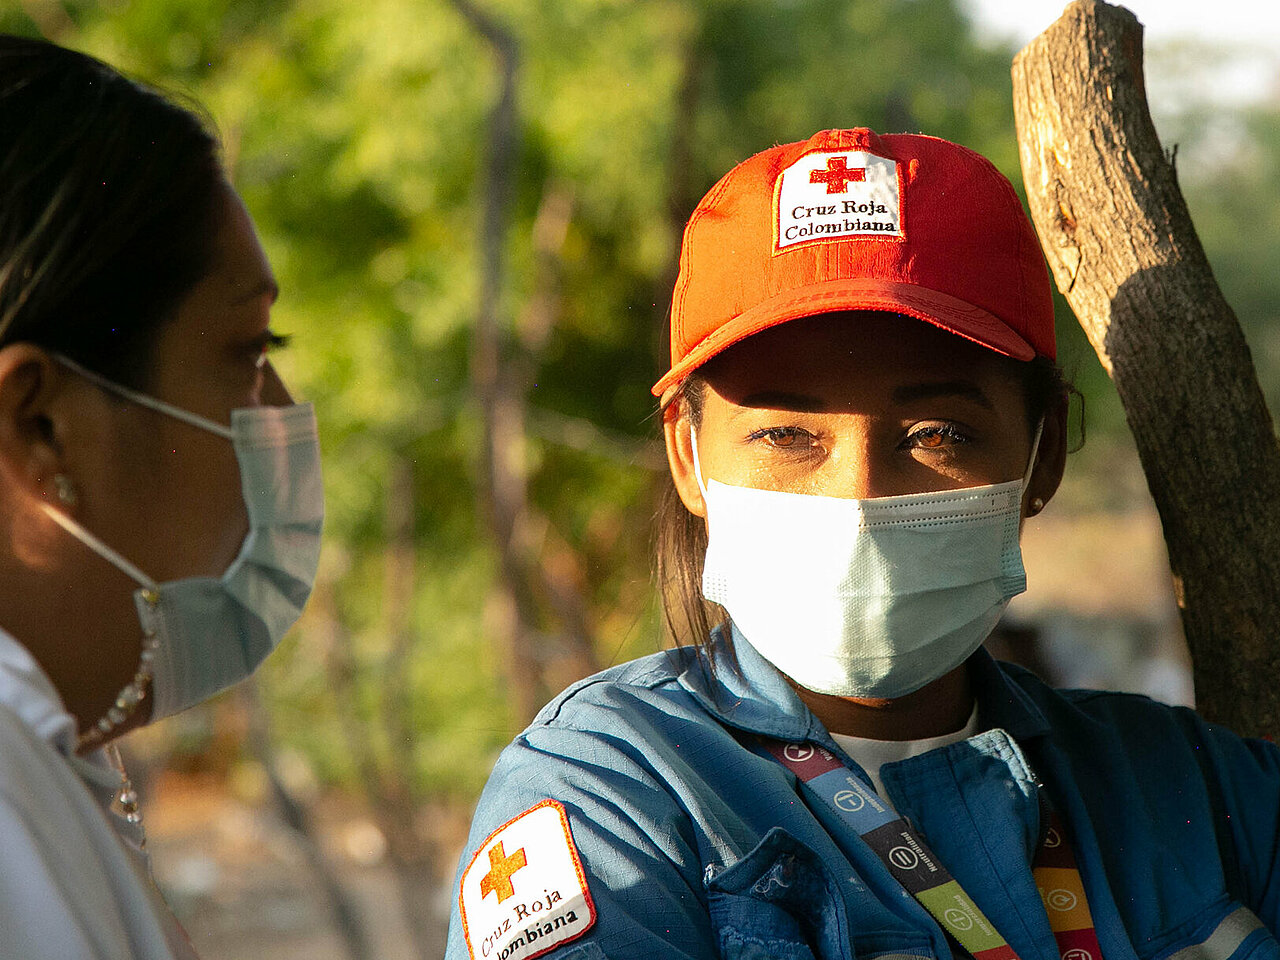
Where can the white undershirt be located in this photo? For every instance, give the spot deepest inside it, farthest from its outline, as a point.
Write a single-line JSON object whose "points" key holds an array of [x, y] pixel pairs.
{"points": [[871, 755]]}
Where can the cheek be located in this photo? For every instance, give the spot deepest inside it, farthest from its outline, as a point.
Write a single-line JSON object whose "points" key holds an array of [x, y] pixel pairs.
{"points": [[129, 471], [212, 502], [794, 457], [962, 469], [197, 517], [743, 466]]}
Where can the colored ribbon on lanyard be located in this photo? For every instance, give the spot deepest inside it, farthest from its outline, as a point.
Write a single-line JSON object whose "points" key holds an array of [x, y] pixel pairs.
{"points": [[1062, 889], [912, 863]]}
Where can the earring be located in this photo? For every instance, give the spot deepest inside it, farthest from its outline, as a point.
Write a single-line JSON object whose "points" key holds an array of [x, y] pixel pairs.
{"points": [[65, 490], [1036, 505]]}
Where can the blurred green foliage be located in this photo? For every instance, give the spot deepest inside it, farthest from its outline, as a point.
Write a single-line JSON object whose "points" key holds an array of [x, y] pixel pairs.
{"points": [[356, 134]]}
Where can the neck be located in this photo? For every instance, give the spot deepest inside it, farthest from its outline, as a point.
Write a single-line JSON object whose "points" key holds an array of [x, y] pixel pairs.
{"points": [[76, 617], [936, 709]]}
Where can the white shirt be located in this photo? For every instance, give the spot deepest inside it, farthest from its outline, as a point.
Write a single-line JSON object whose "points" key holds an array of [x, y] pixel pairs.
{"points": [[871, 755], [74, 881]]}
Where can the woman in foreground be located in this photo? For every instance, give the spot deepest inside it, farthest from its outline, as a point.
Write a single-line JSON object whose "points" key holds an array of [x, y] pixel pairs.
{"points": [[862, 410], [160, 499]]}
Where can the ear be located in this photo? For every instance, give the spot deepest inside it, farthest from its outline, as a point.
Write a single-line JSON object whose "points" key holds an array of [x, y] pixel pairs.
{"points": [[1051, 460], [678, 432], [31, 453]]}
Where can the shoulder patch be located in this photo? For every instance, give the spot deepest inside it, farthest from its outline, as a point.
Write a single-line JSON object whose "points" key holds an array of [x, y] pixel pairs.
{"points": [[524, 892]]}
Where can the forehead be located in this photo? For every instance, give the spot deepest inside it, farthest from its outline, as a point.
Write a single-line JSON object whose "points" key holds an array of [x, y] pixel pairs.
{"points": [[848, 358], [238, 277], [240, 270]]}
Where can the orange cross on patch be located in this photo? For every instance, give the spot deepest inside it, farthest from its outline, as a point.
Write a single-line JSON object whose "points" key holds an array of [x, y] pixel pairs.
{"points": [[550, 906], [501, 870]]}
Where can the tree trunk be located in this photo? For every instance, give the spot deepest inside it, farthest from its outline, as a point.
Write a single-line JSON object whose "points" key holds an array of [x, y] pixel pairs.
{"points": [[501, 374], [296, 815], [502, 492], [1115, 229]]}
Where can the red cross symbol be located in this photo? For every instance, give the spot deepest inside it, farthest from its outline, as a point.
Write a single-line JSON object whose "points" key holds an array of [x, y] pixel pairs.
{"points": [[838, 174], [501, 869]]}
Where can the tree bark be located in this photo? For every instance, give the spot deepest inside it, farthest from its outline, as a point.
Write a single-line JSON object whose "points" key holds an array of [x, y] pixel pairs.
{"points": [[1113, 224]]}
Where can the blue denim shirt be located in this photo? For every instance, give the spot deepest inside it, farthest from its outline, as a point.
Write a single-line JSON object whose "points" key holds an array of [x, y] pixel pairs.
{"points": [[694, 846]]}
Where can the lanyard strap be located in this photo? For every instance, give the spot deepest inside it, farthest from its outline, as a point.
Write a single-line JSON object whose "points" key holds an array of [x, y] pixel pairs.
{"points": [[1062, 889], [911, 862]]}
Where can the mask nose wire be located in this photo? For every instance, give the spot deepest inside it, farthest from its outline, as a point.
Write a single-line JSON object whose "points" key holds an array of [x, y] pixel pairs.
{"points": [[1035, 449]]}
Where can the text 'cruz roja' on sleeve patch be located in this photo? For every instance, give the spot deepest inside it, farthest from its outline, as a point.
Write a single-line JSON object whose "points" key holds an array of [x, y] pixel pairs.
{"points": [[524, 892], [829, 195]]}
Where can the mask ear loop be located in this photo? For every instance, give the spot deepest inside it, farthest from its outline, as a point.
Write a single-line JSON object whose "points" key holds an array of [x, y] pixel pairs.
{"points": [[697, 467], [100, 548], [1035, 450], [142, 399], [75, 529]]}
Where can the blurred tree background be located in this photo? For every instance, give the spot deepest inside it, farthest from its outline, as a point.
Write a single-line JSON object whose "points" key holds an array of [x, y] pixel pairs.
{"points": [[474, 210]]}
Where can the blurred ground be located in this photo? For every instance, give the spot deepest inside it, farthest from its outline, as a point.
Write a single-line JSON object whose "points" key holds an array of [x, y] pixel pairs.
{"points": [[239, 881]]}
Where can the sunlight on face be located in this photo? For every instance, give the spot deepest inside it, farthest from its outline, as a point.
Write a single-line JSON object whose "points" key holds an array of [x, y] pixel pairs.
{"points": [[862, 405]]}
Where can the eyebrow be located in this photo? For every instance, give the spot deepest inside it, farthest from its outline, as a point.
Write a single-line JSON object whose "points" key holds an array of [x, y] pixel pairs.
{"points": [[949, 388]]}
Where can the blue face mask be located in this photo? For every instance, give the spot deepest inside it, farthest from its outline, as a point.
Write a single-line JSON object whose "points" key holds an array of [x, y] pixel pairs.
{"points": [[867, 598], [207, 633]]}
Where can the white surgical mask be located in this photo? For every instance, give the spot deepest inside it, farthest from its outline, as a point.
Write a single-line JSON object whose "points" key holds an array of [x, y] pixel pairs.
{"points": [[864, 598], [214, 631]]}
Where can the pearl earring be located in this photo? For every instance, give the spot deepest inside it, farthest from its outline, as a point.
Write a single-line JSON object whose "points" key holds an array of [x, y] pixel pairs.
{"points": [[65, 490], [1036, 505]]}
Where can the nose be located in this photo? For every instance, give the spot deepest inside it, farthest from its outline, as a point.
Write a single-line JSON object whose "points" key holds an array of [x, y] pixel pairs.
{"points": [[855, 469], [274, 392]]}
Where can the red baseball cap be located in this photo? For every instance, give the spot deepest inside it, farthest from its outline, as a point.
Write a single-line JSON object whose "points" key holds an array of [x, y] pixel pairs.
{"points": [[853, 220]]}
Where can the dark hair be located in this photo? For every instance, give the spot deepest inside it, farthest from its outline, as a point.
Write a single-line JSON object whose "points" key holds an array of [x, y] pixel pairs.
{"points": [[109, 202], [680, 538]]}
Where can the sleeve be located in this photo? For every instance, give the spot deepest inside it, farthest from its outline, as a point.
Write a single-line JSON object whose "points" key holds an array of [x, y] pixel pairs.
{"points": [[578, 850], [1243, 776]]}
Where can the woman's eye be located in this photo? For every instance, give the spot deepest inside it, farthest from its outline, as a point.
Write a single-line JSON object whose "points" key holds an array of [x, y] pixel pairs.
{"points": [[784, 437], [936, 437], [267, 343]]}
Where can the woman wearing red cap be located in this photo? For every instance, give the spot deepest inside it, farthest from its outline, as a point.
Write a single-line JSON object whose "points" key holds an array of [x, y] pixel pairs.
{"points": [[861, 411]]}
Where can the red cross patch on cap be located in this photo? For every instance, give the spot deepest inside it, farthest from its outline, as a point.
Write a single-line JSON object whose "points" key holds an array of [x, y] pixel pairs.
{"points": [[524, 892], [829, 195], [852, 220]]}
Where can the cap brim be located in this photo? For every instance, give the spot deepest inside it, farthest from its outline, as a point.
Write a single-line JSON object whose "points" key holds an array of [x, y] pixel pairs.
{"points": [[943, 311]]}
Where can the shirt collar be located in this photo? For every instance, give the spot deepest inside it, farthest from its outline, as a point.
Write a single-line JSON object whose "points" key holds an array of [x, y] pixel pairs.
{"points": [[744, 690], [1002, 702], [29, 694]]}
